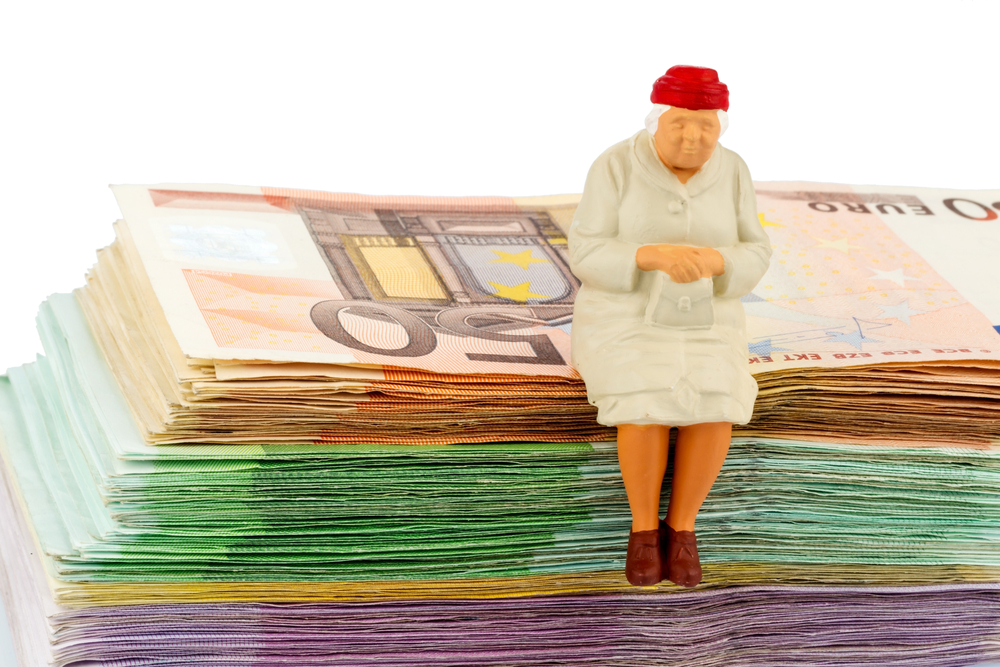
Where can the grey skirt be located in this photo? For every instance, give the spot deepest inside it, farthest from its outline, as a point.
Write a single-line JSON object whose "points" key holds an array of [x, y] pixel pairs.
{"points": [[646, 374]]}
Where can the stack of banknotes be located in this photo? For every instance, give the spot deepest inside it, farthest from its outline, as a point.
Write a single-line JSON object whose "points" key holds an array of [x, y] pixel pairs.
{"points": [[281, 426]]}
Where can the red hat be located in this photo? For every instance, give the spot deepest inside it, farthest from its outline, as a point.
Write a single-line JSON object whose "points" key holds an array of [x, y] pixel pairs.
{"points": [[691, 88]]}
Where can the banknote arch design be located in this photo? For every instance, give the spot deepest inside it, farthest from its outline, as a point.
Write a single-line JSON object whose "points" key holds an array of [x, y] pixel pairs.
{"points": [[473, 275]]}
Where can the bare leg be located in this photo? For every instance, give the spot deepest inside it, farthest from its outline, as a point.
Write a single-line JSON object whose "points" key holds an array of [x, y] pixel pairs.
{"points": [[698, 456], [642, 455]]}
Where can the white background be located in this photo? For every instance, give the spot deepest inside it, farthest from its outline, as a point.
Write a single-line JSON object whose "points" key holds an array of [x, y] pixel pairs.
{"points": [[454, 99]]}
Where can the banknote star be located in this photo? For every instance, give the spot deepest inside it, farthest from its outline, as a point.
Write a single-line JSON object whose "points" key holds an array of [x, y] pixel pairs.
{"points": [[892, 276], [517, 293], [796, 338], [901, 311], [857, 337], [840, 244], [522, 259], [764, 348], [767, 223]]}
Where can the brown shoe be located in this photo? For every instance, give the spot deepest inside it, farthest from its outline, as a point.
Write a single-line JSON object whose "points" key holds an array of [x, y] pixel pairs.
{"points": [[643, 564], [683, 566]]}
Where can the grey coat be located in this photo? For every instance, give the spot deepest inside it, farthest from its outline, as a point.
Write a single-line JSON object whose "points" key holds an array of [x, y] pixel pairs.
{"points": [[640, 370]]}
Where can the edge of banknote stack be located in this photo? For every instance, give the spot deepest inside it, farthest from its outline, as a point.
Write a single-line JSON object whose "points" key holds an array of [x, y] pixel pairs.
{"points": [[176, 484]]}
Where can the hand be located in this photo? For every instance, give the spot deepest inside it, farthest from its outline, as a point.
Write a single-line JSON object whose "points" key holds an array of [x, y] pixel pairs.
{"points": [[682, 263]]}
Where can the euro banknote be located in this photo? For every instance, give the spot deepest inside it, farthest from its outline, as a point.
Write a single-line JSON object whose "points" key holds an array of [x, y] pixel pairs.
{"points": [[482, 285]]}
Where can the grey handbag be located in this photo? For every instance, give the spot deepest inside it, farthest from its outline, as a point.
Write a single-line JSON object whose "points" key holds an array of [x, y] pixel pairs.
{"points": [[680, 305]]}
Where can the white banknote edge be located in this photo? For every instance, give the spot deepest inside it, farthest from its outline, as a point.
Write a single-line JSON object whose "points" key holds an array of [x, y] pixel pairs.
{"points": [[24, 583]]}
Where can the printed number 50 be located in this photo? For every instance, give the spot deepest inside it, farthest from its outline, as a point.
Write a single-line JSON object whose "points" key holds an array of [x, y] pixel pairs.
{"points": [[421, 337]]}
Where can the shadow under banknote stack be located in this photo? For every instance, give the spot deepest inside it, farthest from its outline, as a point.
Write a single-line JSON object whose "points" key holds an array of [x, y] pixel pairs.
{"points": [[332, 430]]}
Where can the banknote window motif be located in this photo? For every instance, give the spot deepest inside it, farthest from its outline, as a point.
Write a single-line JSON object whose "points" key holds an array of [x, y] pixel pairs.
{"points": [[394, 269], [457, 259], [229, 244]]}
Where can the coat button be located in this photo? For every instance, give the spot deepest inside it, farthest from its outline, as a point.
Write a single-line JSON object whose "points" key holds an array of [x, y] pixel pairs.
{"points": [[674, 207]]}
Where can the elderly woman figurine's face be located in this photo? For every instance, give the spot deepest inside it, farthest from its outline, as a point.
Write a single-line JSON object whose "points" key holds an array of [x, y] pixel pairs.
{"points": [[686, 138]]}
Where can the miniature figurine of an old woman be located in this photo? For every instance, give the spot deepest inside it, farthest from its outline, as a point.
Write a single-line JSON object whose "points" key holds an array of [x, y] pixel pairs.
{"points": [[665, 241]]}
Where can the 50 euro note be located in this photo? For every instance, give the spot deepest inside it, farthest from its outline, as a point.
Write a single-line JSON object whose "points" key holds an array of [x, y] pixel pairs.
{"points": [[464, 305], [446, 285], [482, 285]]}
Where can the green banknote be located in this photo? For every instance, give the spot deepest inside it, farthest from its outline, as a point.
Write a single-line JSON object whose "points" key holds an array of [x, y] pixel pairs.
{"points": [[108, 508]]}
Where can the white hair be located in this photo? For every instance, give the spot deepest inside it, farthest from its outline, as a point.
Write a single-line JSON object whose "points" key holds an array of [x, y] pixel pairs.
{"points": [[653, 118]]}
